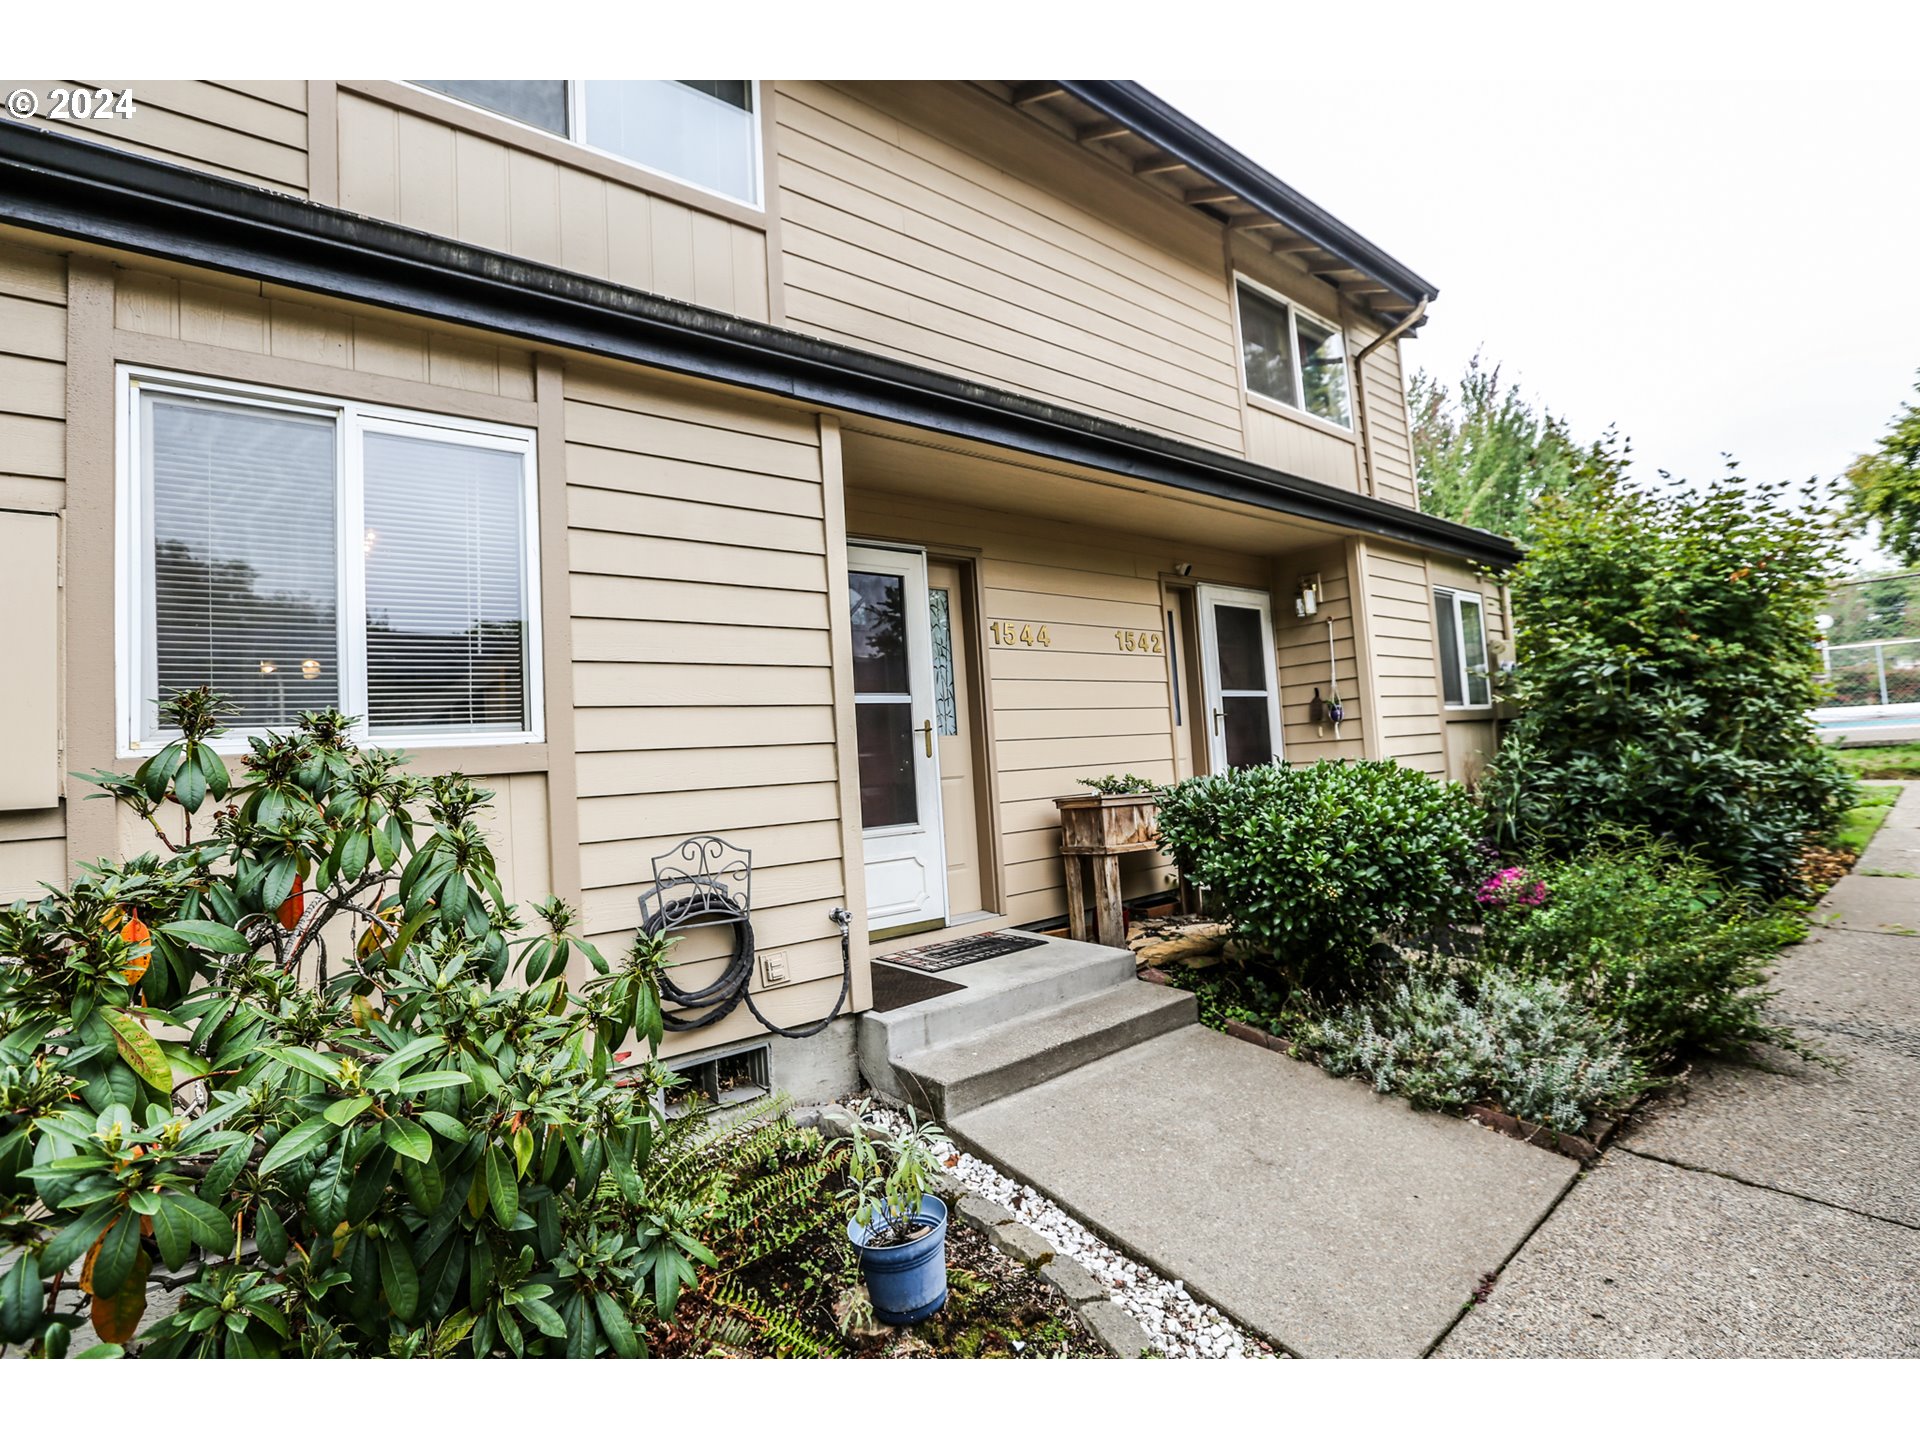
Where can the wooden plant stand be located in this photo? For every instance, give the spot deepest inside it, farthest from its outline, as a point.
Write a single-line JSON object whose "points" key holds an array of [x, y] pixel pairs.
{"points": [[1099, 829]]}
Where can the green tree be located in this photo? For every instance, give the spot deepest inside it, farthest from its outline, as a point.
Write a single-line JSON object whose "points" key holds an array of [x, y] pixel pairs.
{"points": [[1883, 485], [1668, 661], [1485, 455]]}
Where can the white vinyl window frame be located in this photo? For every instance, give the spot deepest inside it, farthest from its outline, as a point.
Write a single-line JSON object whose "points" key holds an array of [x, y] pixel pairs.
{"points": [[577, 129], [136, 659], [1294, 311], [1460, 601]]}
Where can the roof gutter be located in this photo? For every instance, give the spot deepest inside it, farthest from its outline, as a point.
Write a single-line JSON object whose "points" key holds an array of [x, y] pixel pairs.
{"points": [[101, 195]]}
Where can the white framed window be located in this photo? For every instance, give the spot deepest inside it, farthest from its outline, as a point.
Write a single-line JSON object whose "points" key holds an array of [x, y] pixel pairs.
{"points": [[1465, 677], [297, 552], [1291, 356], [703, 132]]}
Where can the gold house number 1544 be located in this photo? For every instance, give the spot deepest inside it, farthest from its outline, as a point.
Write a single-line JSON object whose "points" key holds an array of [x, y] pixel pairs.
{"points": [[1005, 632]]}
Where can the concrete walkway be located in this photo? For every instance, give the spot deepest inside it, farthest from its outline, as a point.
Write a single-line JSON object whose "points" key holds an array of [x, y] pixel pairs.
{"points": [[1766, 1210], [1332, 1220]]}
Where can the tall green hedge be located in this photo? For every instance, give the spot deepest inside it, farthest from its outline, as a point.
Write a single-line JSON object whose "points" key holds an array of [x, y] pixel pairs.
{"points": [[1667, 661]]}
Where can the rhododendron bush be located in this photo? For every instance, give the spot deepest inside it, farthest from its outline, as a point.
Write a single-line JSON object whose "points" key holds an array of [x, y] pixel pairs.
{"points": [[308, 1067]]}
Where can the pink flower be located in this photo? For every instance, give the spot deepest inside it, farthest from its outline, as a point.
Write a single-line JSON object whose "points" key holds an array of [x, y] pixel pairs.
{"points": [[1511, 887]]}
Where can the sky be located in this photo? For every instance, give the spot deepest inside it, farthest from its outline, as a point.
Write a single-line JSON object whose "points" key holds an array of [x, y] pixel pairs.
{"points": [[1705, 234]]}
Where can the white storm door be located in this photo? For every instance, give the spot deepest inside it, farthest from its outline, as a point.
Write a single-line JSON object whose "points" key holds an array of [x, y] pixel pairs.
{"points": [[898, 749], [1237, 669]]}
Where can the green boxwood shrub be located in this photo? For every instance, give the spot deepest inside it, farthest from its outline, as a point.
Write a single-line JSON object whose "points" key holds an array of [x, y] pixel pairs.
{"points": [[1649, 937], [1311, 864]]}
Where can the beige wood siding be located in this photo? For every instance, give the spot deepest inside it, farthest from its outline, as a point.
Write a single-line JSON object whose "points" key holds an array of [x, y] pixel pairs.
{"points": [[251, 130], [1388, 437], [421, 170], [33, 379], [1082, 706], [33, 408], [1407, 675], [1305, 663], [30, 601], [702, 659], [1302, 448], [29, 855], [929, 222]]}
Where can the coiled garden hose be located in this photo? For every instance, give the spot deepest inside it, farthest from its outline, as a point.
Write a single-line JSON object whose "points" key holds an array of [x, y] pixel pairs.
{"points": [[660, 916]]}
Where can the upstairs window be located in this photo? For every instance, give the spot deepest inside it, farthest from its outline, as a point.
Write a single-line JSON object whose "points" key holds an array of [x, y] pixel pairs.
{"points": [[1292, 357], [297, 553], [706, 132], [1464, 674]]}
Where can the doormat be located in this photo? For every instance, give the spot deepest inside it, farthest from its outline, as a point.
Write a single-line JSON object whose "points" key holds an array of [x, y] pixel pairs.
{"points": [[950, 953]]}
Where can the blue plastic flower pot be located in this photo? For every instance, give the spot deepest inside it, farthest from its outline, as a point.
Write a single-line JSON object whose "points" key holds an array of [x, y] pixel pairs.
{"points": [[906, 1282]]}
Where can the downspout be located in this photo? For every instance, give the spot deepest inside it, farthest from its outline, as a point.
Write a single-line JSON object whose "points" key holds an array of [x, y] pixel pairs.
{"points": [[1412, 318]]}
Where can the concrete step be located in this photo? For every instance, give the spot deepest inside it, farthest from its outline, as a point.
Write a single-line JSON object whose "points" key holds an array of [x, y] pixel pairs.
{"points": [[995, 992], [976, 1070]]}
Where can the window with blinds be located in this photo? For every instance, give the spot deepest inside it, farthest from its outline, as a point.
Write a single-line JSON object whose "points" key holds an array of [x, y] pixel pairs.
{"points": [[243, 600], [446, 605], [297, 554]]}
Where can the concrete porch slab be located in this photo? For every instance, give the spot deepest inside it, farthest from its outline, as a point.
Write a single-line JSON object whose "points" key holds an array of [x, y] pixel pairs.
{"points": [[1646, 1260], [1332, 1220]]}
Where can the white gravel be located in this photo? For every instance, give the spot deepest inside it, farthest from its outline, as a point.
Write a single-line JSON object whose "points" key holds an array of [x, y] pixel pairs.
{"points": [[1180, 1326]]}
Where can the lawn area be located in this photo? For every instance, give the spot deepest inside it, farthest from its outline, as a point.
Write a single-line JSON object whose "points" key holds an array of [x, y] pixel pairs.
{"points": [[1882, 762], [1858, 825]]}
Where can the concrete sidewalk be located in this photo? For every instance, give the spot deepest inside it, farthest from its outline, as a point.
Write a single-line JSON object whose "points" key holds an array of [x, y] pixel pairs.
{"points": [[1332, 1220], [1769, 1209]]}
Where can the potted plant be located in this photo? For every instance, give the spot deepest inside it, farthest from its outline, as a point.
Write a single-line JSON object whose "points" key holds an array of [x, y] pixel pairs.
{"points": [[1118, 816], [898, 1230]]}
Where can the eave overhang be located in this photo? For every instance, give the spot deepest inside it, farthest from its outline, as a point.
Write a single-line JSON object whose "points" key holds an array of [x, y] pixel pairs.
{"points": [[100, 195], [1139, 132]]}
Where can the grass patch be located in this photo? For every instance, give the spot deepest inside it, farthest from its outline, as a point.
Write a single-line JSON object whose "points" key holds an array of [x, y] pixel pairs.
{"points": [[1882, 762], [1858, 825]]}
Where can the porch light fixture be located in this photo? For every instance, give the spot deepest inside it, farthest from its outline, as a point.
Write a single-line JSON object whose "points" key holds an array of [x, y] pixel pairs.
{"points": [[1306, 604]]}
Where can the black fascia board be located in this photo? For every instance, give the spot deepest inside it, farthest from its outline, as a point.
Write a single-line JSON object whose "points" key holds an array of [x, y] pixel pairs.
{"points": [[95, 193], [1151, 118]]}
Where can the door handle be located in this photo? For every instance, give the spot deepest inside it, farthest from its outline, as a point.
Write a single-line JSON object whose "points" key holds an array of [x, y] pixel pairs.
{"points": [[926, 730], [1216, 720]]}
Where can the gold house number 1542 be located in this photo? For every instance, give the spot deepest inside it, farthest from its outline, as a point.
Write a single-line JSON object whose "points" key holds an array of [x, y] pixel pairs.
{"points": [[1138, 640], [1005, 632]]}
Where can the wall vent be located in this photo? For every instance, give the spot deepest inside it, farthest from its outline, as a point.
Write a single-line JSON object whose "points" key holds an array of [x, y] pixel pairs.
{"points": [[729, 1077]]}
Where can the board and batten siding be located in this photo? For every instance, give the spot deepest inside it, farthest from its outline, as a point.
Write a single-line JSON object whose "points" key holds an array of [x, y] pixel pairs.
{"points": [[703, 668], [249, 130], [426, 162], [931, 223]]}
